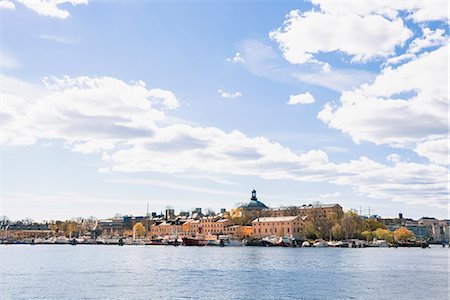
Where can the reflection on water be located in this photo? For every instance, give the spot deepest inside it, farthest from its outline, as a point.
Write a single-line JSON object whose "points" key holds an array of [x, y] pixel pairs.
{"points": [[164, 272]]}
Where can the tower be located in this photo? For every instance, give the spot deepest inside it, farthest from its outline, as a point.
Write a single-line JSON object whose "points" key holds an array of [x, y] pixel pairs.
{"points": [[254, 196]]}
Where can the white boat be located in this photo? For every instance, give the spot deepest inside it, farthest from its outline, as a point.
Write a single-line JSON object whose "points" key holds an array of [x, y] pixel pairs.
{"points": [[226, 240], [62, 240], [306, 244], [335, 243], [379, 243], [320, 244], [270, 241]]}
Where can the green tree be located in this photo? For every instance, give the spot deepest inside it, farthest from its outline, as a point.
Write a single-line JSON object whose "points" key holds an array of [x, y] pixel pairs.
{"points": [[373, 224], [384, 234], [368, 235], [338, 233]]}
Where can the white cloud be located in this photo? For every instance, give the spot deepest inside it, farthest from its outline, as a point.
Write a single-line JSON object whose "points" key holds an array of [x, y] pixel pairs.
{"points": [[90, 114], [436, 151], [305, 98], [416, 10], [237, 58], [124, 122], [402, 107], [361, 37], [50, 8], [229, 95], [394, 157], [6, 4], [55, 38], [430, 38]]}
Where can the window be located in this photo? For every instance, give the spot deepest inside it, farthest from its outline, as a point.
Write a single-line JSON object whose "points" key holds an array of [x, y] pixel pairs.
{"points": [[288, 230]]}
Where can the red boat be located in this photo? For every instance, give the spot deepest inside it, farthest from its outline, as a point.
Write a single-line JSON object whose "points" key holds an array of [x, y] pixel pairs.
{"points": [[194, 242]]}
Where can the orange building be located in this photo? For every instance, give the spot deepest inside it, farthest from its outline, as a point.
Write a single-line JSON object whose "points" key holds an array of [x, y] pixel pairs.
{"points": [[239, 231], [279, 226]]}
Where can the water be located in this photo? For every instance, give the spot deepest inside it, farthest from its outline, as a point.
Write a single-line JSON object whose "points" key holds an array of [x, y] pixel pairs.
{"points": [[165, 272]]}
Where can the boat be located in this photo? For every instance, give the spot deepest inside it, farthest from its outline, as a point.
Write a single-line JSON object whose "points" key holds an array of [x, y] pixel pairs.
{"points": [[229, 241], [286, 241], [320, 244], [335, 244], [194, 241], [62, 240], [306, 244], [270, 241], [378, 243]]}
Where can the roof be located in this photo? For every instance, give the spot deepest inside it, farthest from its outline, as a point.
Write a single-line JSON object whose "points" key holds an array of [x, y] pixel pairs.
{"points": [[305, 206], [222, 220], [255, 204], [275, 219]]}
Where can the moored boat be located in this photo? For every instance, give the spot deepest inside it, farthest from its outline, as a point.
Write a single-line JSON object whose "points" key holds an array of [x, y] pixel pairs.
{"points": [[320, 244], [194, 241]]}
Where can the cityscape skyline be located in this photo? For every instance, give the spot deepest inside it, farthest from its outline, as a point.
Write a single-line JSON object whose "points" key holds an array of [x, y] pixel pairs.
{"points": [[108, 106]]}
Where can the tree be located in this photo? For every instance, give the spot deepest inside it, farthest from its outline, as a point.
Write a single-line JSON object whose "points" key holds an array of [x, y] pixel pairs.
{"points": [[368, 235], [337, 232], [373, 224], [311, 231], [403, 234], [384, 234], [139, 229], [4, 220], [210, 212]]}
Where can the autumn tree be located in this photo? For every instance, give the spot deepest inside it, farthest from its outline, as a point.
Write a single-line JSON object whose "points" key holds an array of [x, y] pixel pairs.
{"points": [[139, 230], [403, 234]]}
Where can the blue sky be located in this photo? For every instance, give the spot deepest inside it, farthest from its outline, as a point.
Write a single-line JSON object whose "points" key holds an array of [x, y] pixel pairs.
{"points": [[108, 106]]}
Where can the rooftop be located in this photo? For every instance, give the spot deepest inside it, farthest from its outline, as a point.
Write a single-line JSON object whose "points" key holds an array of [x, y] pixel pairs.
{"points": [[275, 219]]}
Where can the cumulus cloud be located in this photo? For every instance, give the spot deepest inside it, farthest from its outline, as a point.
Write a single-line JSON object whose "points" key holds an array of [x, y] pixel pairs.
{"points": [[430, 38], [437, 151], [127, 123], [363, 30], [89, 114], [416, 10], [229, 95], [361, 37], [237, 58], [50, 8], [6, 4], [305, 98], [403, 107]]}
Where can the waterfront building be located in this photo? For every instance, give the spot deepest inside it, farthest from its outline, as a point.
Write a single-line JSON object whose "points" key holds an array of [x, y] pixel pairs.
{"points": [[109, 227], [18, 231], [239, 231], [279, 226], [317, 211], [167, 228]]}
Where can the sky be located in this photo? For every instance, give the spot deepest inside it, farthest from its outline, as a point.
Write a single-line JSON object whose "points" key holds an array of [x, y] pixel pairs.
{"points": [[109, 105]]}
